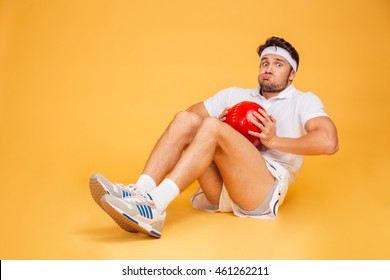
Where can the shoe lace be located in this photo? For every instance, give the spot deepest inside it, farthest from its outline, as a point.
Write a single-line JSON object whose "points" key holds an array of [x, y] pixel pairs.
{"points": [[140, 197], [131, 188]]}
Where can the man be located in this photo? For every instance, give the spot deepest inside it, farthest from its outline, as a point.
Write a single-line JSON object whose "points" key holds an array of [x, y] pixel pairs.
{"points": [[234, 175]]}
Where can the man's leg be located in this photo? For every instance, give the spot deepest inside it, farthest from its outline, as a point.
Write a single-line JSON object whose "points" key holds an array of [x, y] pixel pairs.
{"points": [[167, 151], [240, 164], [211, 183], [164, 156], [171, 144]]}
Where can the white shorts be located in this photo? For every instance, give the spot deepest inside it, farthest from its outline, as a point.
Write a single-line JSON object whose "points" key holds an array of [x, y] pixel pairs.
{"points": [[267, 210]]}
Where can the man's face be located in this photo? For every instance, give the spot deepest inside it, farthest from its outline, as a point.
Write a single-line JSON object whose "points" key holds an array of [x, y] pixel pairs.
{"points": [[275, 73]]}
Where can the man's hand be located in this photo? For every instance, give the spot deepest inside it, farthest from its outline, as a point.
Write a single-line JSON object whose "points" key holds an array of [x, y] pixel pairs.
{"points": [[267, 124], [222, 116]]}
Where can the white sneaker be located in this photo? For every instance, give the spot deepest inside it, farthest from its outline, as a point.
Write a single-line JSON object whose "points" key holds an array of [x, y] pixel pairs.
{"points": [[138, 212], [100, 186]]}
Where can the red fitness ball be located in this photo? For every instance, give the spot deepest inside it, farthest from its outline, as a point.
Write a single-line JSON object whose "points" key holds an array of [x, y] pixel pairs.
{"points": [[239, 117]]}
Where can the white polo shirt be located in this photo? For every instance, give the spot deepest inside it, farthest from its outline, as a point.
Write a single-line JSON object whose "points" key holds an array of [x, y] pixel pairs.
{"points": [[291, 109]]}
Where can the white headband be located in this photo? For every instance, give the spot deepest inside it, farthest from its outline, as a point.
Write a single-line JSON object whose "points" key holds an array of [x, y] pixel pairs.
{"points": [[282, 52]]}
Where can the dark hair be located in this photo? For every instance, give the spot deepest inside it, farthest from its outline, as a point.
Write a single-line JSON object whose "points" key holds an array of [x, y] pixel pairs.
{"points": [[279, 42]]}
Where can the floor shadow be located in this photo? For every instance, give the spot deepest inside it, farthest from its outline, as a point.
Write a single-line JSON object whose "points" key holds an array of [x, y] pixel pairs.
{"points": [[112, 234]]}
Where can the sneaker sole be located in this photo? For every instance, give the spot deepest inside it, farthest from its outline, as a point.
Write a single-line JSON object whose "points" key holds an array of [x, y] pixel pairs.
{"points": [[124, 220], [97, 192]]}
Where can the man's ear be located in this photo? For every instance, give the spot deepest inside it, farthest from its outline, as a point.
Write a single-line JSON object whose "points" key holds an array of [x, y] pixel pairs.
{"points": [[292, 75]]}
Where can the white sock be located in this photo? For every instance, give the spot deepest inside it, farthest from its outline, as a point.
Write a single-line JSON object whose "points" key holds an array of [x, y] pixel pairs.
{"points": [[164, 194], [145, 183]]}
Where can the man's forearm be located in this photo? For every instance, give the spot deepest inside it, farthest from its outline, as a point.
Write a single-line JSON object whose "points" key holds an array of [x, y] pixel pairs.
{"points": [[316, 142]]}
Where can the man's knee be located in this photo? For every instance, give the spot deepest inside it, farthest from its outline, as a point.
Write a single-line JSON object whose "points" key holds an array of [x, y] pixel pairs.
{"points": [[186, 122], [212, 126], [188, 119]]}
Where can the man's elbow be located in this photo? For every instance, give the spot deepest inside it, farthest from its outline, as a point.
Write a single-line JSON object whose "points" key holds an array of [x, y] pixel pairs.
{"points": [[331, 147]]}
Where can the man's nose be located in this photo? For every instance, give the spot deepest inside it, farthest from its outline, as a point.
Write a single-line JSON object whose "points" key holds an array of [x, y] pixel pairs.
{"points": [[268, 69]]}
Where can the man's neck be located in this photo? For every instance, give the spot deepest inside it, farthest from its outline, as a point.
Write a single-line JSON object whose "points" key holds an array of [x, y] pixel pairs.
{"points": [[268, 95]]}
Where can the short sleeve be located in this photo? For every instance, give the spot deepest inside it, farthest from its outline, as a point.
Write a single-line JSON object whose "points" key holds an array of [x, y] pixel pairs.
{"points": [[217, 103], [310, 106]]}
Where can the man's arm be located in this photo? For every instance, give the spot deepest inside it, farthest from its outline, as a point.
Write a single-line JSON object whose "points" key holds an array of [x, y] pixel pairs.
{"points": [[321, 139], [199, 109]]}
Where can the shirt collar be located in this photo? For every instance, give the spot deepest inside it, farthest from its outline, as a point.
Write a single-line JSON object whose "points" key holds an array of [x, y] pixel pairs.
{"points": [[286, 93]]}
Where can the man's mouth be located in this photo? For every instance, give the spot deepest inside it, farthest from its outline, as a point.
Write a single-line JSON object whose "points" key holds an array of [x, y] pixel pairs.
{"points": [[266, 76]]}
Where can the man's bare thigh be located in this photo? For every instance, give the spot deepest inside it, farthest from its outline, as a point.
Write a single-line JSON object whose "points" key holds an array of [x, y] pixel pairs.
{"points": [[243, 169]]}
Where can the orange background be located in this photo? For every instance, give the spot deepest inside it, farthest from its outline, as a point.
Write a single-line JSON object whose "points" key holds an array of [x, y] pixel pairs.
{"points": [[89, 86]]}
